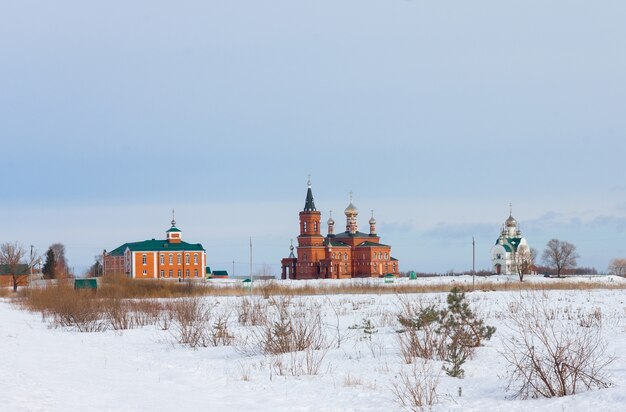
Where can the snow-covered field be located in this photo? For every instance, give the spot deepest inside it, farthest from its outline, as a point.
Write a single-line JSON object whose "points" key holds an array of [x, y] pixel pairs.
{"points": [[48, 369]]}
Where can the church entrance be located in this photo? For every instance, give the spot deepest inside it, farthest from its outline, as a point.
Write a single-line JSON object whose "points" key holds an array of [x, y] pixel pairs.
{"points": [[498, 269]]}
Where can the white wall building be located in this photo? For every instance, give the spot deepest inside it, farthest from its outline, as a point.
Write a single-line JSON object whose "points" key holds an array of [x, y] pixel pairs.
{"points": [[511, 252]]}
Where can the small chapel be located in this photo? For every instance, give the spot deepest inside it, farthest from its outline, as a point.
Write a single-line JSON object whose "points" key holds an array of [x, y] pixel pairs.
{"points": [[348, 254], [511, 253]]}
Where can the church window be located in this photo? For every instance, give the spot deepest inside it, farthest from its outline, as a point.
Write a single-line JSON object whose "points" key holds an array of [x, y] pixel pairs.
{"points": [[180, 272], [315, 227], [171, 259], [386, 256], [187, 259], [305, 227], [171, 273], [498, 256], [162, 259], [179, 259], [304, 257], [187, 273], [345, 256], [162, 273], [144, 259], [195, 258], [195, 273]]}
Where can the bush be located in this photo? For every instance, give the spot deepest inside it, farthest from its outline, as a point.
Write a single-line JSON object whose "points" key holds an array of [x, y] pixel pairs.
{"points": [[416, 388], [553, 356]]}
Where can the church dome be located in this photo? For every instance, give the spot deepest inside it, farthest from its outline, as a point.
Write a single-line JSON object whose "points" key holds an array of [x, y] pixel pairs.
{"points": [[331, 221], [351, 210], [372, 221], [511, 222]]}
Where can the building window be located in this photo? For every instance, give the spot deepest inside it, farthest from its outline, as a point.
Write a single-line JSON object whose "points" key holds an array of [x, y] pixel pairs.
{"points": [[180, 273], [144, 259], [187, 259], [345, 256], [195, 258], [305, 227], [179, 259], [171, 273], [145, 272], [187, 273], [315, 227], [162, 259], [171, 259], [386, 256], [304, 256], [498, 256], [195, 273], [162, 273]]}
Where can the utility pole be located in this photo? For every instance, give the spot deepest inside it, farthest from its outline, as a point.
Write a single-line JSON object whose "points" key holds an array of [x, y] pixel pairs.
{"points": [[473, 261], [250, 257]]}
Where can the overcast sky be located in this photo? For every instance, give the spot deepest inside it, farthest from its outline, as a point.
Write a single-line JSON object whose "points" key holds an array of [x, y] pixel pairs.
{"points": [[436, 114]]}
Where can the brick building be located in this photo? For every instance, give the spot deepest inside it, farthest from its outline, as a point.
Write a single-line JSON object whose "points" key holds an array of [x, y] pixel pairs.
{"points": [[348, 254], [18, 273], [170, 258]]}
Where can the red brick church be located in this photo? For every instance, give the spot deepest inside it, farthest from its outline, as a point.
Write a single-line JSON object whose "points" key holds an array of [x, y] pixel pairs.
{"points": [[349, 254]]}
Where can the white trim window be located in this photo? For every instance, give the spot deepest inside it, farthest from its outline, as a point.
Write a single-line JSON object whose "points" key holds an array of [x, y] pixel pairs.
{"points": [[144, 260], [162, 259]]}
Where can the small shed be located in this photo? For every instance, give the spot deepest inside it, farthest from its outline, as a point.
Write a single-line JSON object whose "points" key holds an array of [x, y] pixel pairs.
{"points": [[220, 274], [389, 278], [88, 283]]}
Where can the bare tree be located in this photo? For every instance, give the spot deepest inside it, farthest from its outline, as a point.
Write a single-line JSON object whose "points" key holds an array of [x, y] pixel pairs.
{"points": [[265, 270], [524, 260], [11, 255], [560, 254], [618, 267]]}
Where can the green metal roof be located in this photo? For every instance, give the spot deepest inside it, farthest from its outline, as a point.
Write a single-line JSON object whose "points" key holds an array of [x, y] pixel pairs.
{"points": [[220, 273], [173, 229], [334, 243], [510, 243], [370, 244], [207, 270], [309, 205], [156, 245], [348, 234], [21, 269]]}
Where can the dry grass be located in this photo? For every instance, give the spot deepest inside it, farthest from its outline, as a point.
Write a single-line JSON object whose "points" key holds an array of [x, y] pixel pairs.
{"points": [[5, 292], [276, 288]]}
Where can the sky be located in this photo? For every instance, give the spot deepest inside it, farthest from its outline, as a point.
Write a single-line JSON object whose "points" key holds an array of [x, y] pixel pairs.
{"points": [[436, 115]]}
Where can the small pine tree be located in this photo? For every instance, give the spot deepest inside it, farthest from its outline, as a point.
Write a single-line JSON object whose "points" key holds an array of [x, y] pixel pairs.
{"points": [[464, 330], [49, 267]]}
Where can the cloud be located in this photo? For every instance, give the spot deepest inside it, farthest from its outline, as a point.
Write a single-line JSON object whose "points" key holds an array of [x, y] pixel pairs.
{"points": [[463, 230]]}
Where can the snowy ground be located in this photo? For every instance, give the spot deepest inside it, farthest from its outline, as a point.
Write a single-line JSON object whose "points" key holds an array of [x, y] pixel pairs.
{"points": [[46, 369]]}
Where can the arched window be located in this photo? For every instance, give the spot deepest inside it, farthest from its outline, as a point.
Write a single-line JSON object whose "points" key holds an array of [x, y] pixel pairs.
{"points": [[305, 227], [345, 256], [315, 227], [187, 259], [162, 260], [171, 259]]}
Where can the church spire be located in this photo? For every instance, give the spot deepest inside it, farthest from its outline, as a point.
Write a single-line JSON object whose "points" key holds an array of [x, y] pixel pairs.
{"points": [[309, 204], [173, 218]]}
